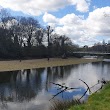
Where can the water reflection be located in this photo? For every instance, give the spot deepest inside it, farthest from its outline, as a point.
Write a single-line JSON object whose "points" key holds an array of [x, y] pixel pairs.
{"points": [[31, 89]]}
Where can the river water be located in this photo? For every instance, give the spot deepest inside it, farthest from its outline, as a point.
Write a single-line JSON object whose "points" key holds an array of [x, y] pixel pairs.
{"points": [[32, 90]]}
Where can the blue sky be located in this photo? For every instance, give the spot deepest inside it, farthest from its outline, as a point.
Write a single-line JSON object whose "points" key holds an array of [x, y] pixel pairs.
{"points": [[81, 20]]}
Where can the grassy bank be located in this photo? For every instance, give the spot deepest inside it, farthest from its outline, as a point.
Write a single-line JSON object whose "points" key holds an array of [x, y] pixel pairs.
{"points": [[40, 63], [97, 101]]}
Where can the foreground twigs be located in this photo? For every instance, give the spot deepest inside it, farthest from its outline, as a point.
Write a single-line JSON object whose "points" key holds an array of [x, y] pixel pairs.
{"points": [[94, 85], [83, 94], [86, 85], [66, 104], [63, 88], [88, 88], [103, 82]]}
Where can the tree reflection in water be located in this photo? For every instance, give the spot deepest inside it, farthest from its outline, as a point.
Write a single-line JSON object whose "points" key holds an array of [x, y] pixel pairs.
{"points": [[18, 85], [25, 85]]}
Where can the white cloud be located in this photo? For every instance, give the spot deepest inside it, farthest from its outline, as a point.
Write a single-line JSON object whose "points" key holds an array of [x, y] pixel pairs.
{"points": [[83, 31], [75, 26], [72, 26], [37, 7], [50, 19], [81, 5], [97, 24], [69, 19]]}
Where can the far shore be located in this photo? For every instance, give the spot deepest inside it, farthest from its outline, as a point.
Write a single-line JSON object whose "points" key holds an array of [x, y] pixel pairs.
{"points": [[41, 63]]}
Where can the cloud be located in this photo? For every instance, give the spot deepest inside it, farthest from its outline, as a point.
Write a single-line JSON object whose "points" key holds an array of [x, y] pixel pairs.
{"points": [[98, 24], [37, 7], [80, 30], [50, 19], [72, 26], [81, 5], [69, 19]]}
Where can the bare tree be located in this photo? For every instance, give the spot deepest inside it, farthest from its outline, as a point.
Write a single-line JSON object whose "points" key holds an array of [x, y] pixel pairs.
{"points": [[28, 26], [49, 32], [39, 35]]}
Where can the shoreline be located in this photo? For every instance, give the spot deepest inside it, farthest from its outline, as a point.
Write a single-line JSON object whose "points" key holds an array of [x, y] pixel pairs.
{"points": [[97, 101], [41, 63]]}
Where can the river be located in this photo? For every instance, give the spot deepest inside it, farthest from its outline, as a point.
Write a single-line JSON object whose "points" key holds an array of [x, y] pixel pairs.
{"points": [[32, 89]]}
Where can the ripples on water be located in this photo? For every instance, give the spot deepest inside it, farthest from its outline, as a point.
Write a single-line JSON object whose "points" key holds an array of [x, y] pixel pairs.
{"points": [[31, 89]]}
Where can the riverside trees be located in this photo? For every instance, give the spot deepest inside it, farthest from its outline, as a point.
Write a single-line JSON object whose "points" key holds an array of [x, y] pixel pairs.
{"points": [[24, 37]]}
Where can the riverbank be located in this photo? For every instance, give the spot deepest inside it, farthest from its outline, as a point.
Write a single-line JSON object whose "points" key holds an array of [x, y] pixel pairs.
{"points": [[97, 101], [41, 63]]}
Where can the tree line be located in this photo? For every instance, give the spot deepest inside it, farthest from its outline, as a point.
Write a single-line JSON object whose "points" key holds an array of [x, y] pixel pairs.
{"points": [[98, 47], [24, 37]]}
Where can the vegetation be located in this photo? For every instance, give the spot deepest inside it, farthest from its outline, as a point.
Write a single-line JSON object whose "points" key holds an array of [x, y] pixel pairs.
{"points": [[98, 47], [97, 101], [63, 105], [24, 38]]}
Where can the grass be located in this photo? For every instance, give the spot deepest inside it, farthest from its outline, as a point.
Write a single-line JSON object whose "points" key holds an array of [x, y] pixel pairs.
{"points": [[63, 105], [41, 63], [97, 101]]}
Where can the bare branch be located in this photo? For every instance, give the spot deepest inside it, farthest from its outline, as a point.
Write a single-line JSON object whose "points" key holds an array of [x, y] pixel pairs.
{"points": [[62, 88], [84, 94], [94, 85], [57, 94], [86, 85]]}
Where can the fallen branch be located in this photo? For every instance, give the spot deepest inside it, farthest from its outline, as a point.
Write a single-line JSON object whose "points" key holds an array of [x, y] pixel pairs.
{"points": [[83, 94], [86, 85], [62, 88]]}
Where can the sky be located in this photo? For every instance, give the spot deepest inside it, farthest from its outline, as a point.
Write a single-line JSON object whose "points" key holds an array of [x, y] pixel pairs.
{"points": [[84, 21]]}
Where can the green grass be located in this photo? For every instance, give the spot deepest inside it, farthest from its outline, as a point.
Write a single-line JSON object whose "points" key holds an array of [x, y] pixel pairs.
{"points": [[41, 63], [97, 101]]}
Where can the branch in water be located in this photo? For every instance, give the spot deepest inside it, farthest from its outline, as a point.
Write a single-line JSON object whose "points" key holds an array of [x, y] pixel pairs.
{"points": [[84, 94], [62, 88], [86, 85]]}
